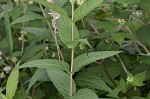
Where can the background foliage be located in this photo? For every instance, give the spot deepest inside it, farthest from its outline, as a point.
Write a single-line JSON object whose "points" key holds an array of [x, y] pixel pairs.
{"points": [[111, 46]]}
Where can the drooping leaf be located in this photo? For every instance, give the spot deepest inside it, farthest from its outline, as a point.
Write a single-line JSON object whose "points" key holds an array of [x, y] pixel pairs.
{"points": [[12, 82], [85, 8], [28, 17], [93, 81], [47, 64], [53, 7], [85, 59], [9, 32], [64, 30], [61, 81], [143, 34], [39, 73], [84, 94]]}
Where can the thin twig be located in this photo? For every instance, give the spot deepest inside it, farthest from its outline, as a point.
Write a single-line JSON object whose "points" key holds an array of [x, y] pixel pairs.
{"points": [[33, 92], [93, 27], [106, 71], [122, 64]]}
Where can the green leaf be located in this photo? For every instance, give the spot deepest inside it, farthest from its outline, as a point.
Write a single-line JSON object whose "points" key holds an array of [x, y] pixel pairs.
{"points": [[139, 78], [85, 8], [75, 43], [65, 30], [84, 33], [119, 38], [85, 41], [84, 94], [9, 32], [144, 4], [47, 64], [60, 2], [32, 50], [53, 7], [61, 81], [39, 32], [94, 81], [143, 34], [128, 1], [12, 82], [39, 73], [27, 17], [85, 59], [138, 97], [2, 96], [145, 59], [121, 87]]}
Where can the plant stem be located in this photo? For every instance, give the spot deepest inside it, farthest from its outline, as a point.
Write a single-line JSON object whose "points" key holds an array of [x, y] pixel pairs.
{"points": [[22, 88], [72, 50]]}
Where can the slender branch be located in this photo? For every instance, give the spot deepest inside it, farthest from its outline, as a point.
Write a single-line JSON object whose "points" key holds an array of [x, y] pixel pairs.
{"points": [[54, 34], [93, 27], [72, 50], [122, 64], [106, 71], [33, 92]]}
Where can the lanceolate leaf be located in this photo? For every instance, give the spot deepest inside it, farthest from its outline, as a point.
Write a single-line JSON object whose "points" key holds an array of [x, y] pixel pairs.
{"points": [[12, 82], [61, 81], [85, 8], [28, 17], [84, 94], [64, 30], [86, 59], [92, 80], [47, 64], [39, 73], [53, 7]]}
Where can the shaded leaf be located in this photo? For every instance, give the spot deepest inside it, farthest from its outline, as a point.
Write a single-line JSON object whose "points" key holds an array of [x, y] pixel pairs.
{"points": [[61, 81], [143, 34], [39, 73], [92, 80]]}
